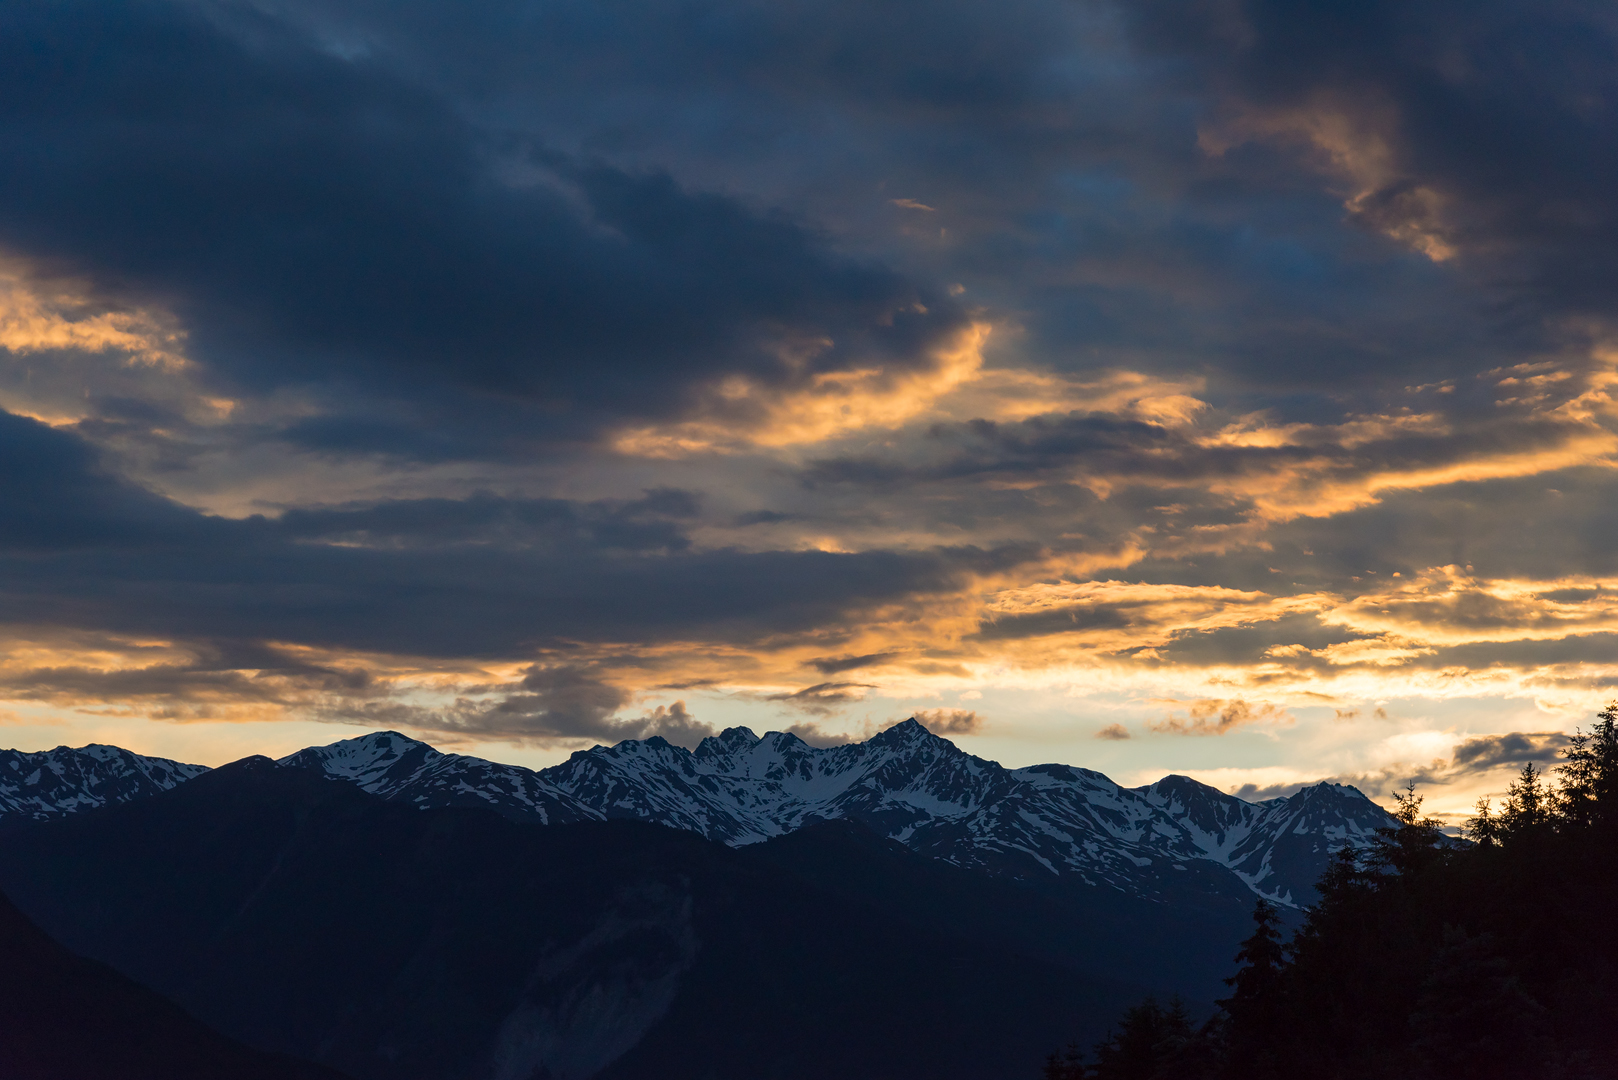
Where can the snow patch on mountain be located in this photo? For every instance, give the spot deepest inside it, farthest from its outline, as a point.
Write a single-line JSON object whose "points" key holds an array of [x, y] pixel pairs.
{"points": [[50, 783]]}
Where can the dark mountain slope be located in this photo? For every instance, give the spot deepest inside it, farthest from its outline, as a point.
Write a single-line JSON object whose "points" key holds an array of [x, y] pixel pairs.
{"points": [[303, 915], [63, 1017], [1184, 948]]}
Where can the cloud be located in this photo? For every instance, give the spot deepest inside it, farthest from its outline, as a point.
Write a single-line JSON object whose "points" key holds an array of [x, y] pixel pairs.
{"points": [[552, 706], [51, 316], [655, 522], [815, 736], [1213, 716], [1453, 137], [449, 293], [414, 578], [821, 697], [831, 665], [1481, 752], [1273, 472], [950, 721], [180, 681], [1474, 757], [1113, 732]]}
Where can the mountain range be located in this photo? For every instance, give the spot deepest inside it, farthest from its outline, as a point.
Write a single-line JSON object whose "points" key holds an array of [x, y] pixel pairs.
{"points": [[1051, 825], [756, 906], [305, 917]]}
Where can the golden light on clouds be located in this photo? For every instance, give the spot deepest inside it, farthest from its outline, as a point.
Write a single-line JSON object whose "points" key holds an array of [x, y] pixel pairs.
{"points": [[746, 415], [1011, 394], [38, 315], [1353, 140]]}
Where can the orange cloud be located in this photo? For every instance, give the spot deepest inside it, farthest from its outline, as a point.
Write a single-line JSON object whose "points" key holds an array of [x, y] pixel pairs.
{"points": [[37, 315], [1212, 716], [1353, 141], [745, 415]]}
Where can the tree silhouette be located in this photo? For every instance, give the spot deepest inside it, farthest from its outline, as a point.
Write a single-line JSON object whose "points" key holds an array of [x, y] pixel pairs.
{"points": [[1150, 1043], [1069, 1065], [1256, 1010], [1589, 795], [1428, 958], [1474, 1020], [1528, 805]]}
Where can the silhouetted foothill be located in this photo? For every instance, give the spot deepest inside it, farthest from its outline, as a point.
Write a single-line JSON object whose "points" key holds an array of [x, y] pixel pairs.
{"points": [[63, 1017]]}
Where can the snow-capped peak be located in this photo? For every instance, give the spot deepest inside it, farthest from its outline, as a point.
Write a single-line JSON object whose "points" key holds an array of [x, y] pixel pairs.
{"points": [[730, 741], [65, 780], [378, 761], [906, 733]]}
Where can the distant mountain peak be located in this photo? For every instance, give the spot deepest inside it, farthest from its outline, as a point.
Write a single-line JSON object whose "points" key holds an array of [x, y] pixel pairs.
{"points": [[911, 732], [50, 783], [364, 758], [403, 769], [730, 740]]}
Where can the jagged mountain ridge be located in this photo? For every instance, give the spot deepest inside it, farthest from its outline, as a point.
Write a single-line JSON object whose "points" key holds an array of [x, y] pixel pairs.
{"points": [[403, 769], [49, 783], [1162, 841], [915, 787]]}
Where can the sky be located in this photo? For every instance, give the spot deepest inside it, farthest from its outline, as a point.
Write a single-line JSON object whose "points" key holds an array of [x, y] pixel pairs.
{"points": [[1221, 387]]}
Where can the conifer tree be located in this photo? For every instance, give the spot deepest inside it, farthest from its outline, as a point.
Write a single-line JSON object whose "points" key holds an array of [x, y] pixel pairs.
{"points": [[1589, 793], [1413, 844], [1150, 1043], [1474, 1020], [1528, 805], [1068, 1065], [1255, 1012], [1483, 828]]}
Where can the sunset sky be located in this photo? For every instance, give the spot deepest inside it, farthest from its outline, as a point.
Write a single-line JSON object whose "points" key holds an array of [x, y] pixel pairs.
{"points": [[1224, 387]]}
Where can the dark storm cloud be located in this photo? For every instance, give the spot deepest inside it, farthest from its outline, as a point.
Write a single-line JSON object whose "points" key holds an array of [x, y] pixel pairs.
{"points": [[501, 231], [562, 705], [54, 497], [1502, 527], [384, 167], [1496, 118], [950, 721], [654, 522], [441, 289], [1248, 644], [831, 665], [1473, 756], [1516, 748], [1117, 449], [218, 674], [1062, 620], [821, 697], [84, 550]]}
